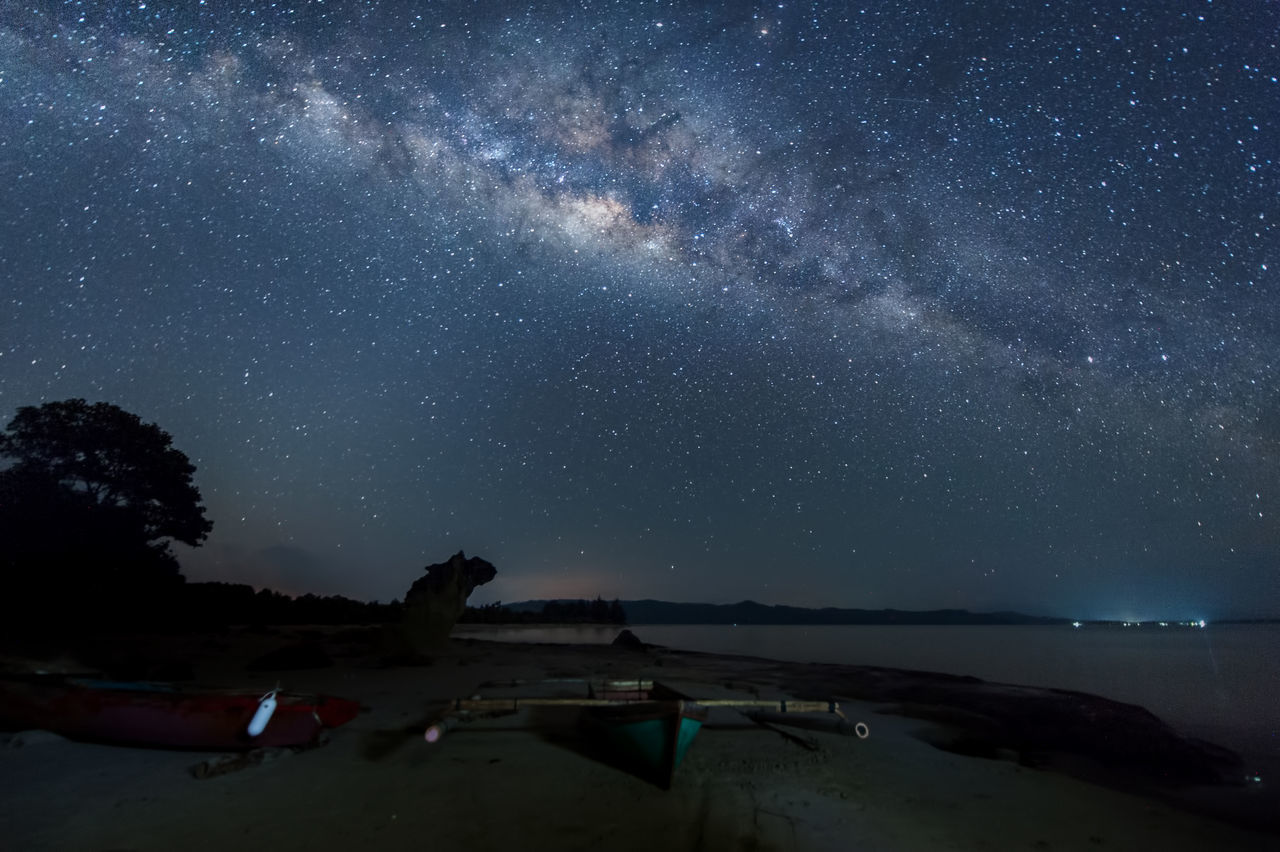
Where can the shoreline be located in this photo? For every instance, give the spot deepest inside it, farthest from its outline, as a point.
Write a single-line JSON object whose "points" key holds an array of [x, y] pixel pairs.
{"points": [[1216, 685], [965, 750]]}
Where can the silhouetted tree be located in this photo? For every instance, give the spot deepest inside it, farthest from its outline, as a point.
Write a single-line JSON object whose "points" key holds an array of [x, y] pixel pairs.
{"points": [[599, 611], [494, 613], [89, 504], [617, 615]]}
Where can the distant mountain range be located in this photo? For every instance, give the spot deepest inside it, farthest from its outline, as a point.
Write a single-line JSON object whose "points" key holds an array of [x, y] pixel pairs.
{"points": [[750, 612]]}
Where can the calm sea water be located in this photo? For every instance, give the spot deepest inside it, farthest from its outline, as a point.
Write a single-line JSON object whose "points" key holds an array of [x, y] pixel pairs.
{"points": [[1221, 682]]}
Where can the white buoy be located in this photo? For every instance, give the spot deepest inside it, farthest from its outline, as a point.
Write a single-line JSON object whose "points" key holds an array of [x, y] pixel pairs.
{"points": [[266, 707]]}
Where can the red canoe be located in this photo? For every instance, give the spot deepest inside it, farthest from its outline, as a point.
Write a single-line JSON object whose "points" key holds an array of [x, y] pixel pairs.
{"points": [[164, 716]]}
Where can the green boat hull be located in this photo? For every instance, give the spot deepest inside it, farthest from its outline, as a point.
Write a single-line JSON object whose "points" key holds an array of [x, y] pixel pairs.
{"points": [[651, 737]]}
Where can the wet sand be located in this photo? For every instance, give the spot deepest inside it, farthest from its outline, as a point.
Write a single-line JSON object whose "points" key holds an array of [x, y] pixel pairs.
{"points": [[533, 780]]}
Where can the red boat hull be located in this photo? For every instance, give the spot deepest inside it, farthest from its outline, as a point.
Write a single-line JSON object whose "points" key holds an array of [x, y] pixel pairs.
{"points": [[160, 716]]}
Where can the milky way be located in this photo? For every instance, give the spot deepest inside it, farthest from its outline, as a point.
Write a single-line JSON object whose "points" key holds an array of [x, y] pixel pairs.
{"points": [[915, 304]]}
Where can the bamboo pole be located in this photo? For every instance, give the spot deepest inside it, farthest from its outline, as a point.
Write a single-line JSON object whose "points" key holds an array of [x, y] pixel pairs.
{"points": [[512, 704], [446, 720], [778, 705], [620, 683], [823, 723]]}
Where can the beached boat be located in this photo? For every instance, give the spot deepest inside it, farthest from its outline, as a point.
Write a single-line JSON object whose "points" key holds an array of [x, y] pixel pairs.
{"points": [[650, 729], [649, 726], [162, 715]]}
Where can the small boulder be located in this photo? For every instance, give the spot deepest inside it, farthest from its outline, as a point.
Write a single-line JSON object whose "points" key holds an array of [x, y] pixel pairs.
{"points": [[34, 737], [627, 639]]}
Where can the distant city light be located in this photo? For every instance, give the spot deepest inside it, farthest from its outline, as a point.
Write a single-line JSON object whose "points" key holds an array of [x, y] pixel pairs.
{"points": [[1075, 624]]}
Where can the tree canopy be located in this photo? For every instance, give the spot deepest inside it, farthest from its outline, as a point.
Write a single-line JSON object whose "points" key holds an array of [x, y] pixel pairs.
{"points": [[94, 496], [112, 459]]}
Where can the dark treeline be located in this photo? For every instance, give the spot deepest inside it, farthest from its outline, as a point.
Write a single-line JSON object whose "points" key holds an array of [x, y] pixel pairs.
{"points": [[210, 604], [598, 611], [750, 612]]}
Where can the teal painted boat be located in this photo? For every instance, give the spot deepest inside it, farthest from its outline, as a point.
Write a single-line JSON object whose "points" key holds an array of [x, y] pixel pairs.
{"points": [[648, 725], [651, 730]]}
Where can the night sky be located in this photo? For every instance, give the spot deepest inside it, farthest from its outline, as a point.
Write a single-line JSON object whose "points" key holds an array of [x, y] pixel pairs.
{"points": [[914, 304]]}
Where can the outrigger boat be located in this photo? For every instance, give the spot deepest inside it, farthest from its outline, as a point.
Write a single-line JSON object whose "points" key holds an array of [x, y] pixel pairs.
{"points": [[160, 715], [650, 728], [649, 725]]}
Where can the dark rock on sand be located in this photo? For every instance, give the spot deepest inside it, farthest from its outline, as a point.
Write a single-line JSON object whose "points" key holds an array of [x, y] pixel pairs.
{"points": [[627, 639], [26, 739], [222, 764], [1043, 726]]}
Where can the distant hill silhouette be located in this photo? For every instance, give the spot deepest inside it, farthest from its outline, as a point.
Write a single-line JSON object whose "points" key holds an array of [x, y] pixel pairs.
{"points": [[750, 612]]}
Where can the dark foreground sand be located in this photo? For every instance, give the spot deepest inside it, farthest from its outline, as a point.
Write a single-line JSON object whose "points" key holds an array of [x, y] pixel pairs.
{"points": [[532, 781]]}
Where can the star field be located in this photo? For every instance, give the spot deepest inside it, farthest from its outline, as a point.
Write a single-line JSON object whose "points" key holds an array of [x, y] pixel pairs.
{"points": [[909, 304]]}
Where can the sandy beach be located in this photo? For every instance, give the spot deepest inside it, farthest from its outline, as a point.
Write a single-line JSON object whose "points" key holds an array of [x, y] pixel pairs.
{"points": [[532, 780]]}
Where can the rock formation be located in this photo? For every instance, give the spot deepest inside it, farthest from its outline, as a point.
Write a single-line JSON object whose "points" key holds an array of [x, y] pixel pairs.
{"points": [[627, 639], [436, 600]]}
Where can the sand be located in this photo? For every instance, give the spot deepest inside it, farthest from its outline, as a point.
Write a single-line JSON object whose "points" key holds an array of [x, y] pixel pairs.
{"points": [[531, 781]]}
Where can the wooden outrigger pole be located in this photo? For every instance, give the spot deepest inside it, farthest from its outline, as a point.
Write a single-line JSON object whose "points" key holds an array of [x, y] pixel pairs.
{"points": [[511, 705], [762, 710]]}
